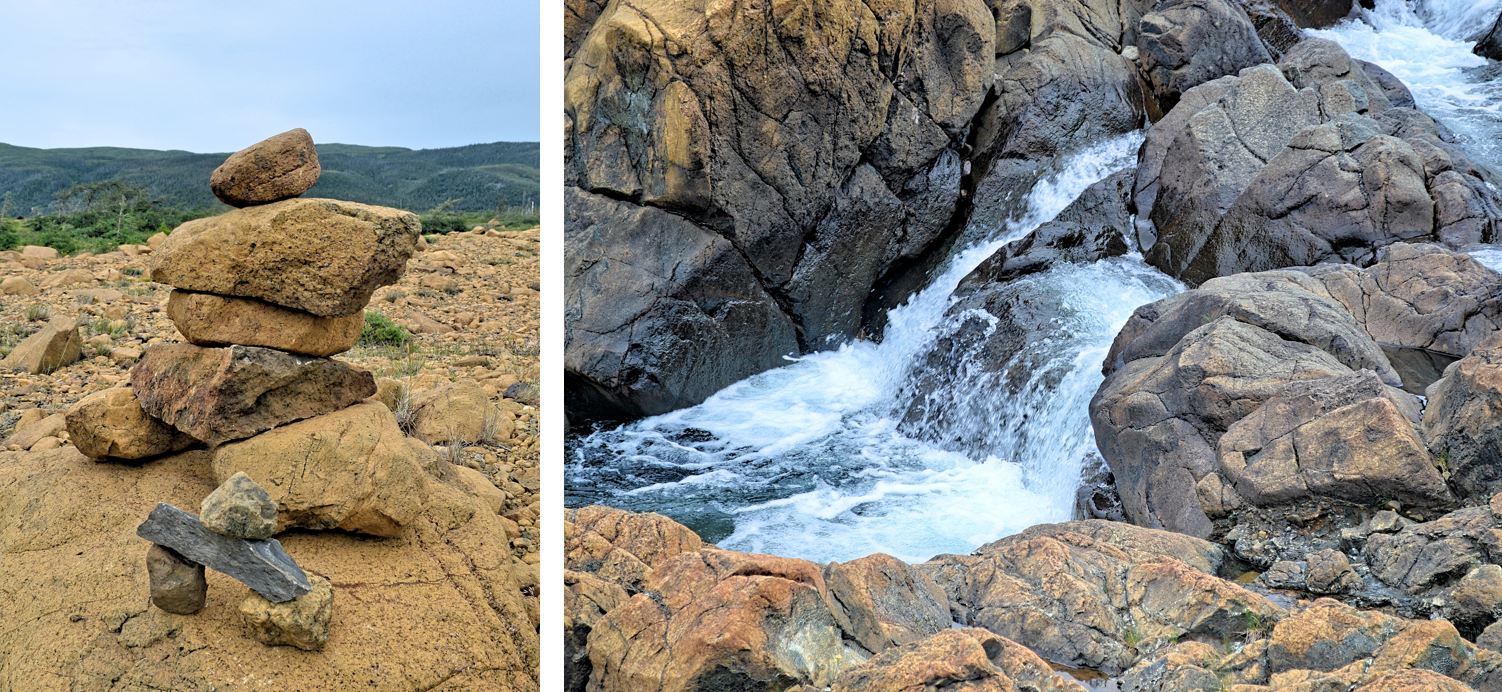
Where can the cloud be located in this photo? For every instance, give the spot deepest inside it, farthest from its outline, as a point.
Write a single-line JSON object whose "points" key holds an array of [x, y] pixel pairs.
{"points": [[213, 77]]}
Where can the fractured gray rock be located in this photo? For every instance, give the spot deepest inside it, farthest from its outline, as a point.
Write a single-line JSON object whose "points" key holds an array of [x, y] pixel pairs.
{"points": [[261, 565], [239, 508]]}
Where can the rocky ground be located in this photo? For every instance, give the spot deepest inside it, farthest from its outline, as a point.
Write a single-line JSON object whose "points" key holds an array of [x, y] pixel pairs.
{"points": [[465, 580]]}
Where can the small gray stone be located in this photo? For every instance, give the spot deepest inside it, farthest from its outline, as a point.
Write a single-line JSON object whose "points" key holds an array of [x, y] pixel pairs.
{"points": [[1284, 574], [261, 565], [517, 390], [239, 508], [302, 622], [177, 583], [1330, 572]]}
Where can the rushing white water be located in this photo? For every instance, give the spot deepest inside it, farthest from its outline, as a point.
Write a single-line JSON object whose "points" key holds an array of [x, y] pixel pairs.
{"points": [[1425, 44], [808, 460]]}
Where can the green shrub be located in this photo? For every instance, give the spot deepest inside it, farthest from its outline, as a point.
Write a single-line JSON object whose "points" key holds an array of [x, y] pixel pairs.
{"points": [[381, 331]]}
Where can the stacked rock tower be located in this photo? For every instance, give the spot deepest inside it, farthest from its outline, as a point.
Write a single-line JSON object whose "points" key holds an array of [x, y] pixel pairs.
{"points": [[264, 295]]}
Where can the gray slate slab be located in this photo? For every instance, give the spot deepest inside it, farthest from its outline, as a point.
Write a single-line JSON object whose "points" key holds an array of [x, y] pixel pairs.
{"points": [[261, 565]]}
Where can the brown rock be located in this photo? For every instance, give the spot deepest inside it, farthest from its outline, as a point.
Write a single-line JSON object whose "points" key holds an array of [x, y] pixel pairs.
{"points": [[156, 241], [39, 252], [68, 278], [596, 537], [274, 169], [222, 394], [57, 345], [352, 469], [209, 320], [111, 424], [302, 622], [1330, 572], [1327, 636], [316, 255], [586, 600], [438, 606], [1459, 421], [177, 583], [17, 286]]}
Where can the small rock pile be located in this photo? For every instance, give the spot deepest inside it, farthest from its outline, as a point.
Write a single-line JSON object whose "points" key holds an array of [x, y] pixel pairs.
{"points": [[264, 295]]}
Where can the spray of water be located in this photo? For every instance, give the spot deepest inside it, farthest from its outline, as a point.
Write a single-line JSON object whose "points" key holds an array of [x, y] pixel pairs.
{"points": [[808, 460]]}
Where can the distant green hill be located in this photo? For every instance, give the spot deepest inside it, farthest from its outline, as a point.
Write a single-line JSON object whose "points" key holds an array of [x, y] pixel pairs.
{"points": [[483, 175]]}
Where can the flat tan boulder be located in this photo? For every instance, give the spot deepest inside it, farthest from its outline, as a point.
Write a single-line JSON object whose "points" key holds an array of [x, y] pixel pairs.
{"points": [[271, 170], [316, 255], [438, 607], [39, 252], [57, 345], [111, 424], [209, 320], [17, 286], [69, 277], [222, 394], [352, 469], [156, 241]]}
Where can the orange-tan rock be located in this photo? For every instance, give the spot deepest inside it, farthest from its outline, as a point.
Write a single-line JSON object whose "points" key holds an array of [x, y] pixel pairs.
{"points": [[210, 320], [58, 344], [352, 469], [321, 256], [111, 424]]}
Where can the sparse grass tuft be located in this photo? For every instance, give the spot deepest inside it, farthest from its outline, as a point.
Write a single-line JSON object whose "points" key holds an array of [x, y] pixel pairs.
{"points": [[37, 312], [131, 271]]}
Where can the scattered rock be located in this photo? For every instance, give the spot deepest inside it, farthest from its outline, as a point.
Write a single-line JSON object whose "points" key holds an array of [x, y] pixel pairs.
{"points": [[302, 622], [209, 320], [261, 565], [57, 345], [352, 469], [17, 286], [1330, 572], [320, 256], [222, 394], [177, 583], [274, 169], [239, 508], [41, 426], [68, 277], [111, 424]]}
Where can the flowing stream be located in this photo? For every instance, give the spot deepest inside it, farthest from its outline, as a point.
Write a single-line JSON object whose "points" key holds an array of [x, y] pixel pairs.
{"points": [[813, 459]]}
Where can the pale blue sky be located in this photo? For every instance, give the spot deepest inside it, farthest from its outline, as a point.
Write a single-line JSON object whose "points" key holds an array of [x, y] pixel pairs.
{"points": [[213, 76]]}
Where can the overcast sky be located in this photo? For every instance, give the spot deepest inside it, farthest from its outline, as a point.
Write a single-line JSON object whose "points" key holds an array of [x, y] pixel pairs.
{"points": [[213, 76]]}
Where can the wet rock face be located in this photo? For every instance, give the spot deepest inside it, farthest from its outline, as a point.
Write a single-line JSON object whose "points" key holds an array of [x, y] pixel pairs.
{"points": [[1185, 43], [222, 394], [1489, 41]]}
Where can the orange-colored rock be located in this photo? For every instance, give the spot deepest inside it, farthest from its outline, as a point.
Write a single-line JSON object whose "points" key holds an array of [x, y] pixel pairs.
{"points": [[209, 320], [271, 170]]}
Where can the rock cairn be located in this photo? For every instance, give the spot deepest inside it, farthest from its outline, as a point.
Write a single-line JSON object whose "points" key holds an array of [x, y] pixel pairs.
{"points": [[264, 295]]}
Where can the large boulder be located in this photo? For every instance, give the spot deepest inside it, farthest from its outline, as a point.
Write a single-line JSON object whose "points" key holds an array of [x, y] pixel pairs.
{"points": [[1157, 419], [56, 345], [209, 320], [439, 605], [1217, 154], [1420, 296], [1338, 192], [1155, 147], [1186, 43], [111, 424], [883, 602], [353, 469], [221, 394], [320, 256], [271, 170], [1489, 41], [1344, 438]]}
